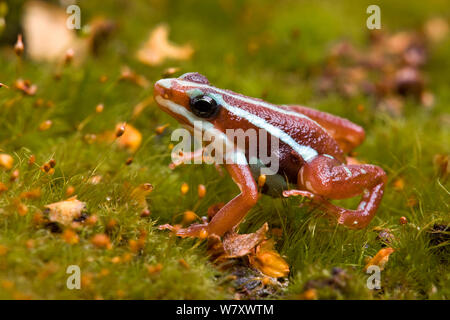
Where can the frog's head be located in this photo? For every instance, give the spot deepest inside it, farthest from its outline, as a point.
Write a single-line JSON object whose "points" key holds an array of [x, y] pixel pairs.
{"points": [[188, 99]]}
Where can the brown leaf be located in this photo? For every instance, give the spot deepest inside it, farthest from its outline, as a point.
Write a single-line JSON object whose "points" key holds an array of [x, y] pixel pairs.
{"points": [[239, 245], [268, 261], [380, 259], [129, 75], [137, 110], [65, 211], [158, 48], [131, 138], [46, 34]]}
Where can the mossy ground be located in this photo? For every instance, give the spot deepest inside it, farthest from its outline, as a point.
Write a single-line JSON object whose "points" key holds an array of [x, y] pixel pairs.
{"points": [[281, 71]]}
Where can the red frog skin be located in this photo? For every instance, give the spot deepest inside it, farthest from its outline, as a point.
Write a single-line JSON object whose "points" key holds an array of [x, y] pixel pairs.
{"points": [[311, 153]]}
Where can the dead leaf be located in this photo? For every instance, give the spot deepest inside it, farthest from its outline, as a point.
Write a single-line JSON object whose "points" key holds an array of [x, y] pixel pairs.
{"points": [[380, 259], [268, 261], [131, 138], [239, 245], [137, 110], [48, 38], [158, 48], [65, 211], [46, 34], [129, 75]]}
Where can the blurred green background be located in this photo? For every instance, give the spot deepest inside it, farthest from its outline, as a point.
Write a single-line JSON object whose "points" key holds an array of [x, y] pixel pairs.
{"points": [[274, 50]]}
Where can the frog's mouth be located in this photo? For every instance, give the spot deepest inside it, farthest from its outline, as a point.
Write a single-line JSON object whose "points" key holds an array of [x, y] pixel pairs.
{"points": [[162, 95]]}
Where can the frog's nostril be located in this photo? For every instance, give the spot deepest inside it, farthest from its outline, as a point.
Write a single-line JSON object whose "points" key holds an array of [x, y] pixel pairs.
{"points": [[162, 88], [159, 91]]}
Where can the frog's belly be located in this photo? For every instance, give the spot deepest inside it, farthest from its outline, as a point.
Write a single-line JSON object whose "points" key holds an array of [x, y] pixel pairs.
{"points": [[275, 183]]}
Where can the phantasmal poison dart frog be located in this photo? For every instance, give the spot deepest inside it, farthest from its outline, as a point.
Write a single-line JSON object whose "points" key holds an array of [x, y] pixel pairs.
{"points": [[310, 152]]}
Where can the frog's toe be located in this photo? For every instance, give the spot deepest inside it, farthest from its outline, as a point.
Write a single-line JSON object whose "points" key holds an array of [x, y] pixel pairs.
{"points": [[354, 219], [194, 231], [302, 193]]}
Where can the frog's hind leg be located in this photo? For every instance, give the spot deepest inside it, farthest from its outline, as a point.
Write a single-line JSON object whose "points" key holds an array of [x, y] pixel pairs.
{"points": [[326, 178], [347, 134]]}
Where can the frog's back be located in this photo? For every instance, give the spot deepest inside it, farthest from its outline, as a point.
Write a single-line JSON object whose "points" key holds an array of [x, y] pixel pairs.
{"points": [[300, 138]]}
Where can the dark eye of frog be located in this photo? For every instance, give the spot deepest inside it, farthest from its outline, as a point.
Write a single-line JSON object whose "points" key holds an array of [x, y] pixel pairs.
{"points": [[204, 106]]}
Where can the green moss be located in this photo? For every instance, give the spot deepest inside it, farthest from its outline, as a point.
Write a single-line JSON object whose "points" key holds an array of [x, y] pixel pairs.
{"points": [[281, 71]]}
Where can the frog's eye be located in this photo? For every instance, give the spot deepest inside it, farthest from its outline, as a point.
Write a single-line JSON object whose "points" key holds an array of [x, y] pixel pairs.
{"points": [[204, 106]]}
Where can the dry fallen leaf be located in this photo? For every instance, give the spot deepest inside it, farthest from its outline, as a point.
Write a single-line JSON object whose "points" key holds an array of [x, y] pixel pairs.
{"points": [[129, 75], [131, 138], [46, 34], [268, 261], [65, 211], [137, 110], [239, 245], [158, 48], [380, 259]]}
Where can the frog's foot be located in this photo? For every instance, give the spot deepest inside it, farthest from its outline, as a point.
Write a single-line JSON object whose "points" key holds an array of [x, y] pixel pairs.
{"points": [[187, 157], [193, 231], [318, 200]]}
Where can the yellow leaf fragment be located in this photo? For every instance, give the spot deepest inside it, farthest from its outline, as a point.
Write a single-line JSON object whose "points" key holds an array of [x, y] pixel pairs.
{"points": [[46, 34], [158, 48], [65, 211], [268, 261], [137, 110], [380, 259], [130, 139], [238, 245]]}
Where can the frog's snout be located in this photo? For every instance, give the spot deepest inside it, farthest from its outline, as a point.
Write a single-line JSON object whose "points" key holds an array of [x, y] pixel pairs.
{"points": [[161, 88]]}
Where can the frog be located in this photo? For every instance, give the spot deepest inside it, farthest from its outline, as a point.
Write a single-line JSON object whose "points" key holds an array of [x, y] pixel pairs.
{"points": [[312, 153]]}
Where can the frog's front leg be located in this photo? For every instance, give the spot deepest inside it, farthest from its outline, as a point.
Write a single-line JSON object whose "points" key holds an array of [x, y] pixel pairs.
{"points": [[326, 178], [188, 157], [234, 211]]}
